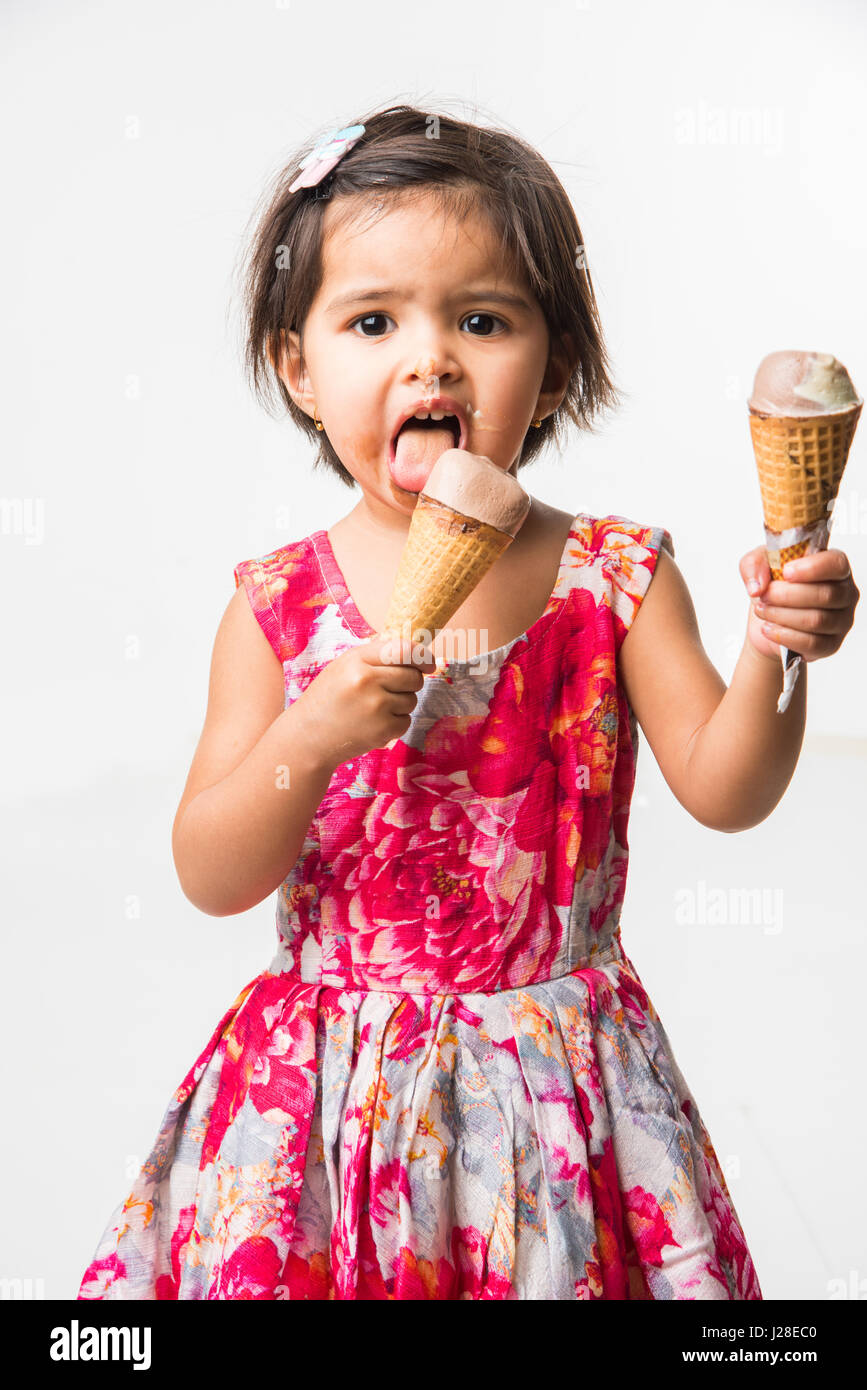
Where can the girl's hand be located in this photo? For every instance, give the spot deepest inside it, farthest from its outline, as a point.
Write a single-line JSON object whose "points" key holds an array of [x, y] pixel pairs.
{"points": [[809, 611], [363, 698]]}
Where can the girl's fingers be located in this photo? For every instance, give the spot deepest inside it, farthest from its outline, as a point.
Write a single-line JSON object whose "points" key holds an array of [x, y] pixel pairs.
{"points": [[819, 620], [831, 565], [810, 644], [783, 593], [810, 615], [810, 647]]}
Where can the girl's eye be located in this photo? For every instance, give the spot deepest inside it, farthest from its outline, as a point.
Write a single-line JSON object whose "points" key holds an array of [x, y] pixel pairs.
{"points": [[368, 319], [492, 318]]}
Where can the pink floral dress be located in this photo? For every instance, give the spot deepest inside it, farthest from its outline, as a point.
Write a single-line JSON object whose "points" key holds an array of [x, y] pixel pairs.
{"points": [[450, 1082]]}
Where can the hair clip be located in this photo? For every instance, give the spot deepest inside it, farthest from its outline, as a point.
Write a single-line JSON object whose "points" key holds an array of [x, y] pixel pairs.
{"points": [[327, 153]]}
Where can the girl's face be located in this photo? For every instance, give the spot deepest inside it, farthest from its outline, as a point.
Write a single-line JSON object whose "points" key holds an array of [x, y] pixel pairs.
{"points": [[411, 307]]}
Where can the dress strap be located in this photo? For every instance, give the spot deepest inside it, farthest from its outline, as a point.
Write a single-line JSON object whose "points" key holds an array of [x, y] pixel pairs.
{"points": [[631, 552], [254, 578], [286, 594]]}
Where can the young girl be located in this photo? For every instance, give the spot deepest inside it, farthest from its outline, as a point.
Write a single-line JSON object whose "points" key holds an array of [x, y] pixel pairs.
{"points": [[450, 1082]]}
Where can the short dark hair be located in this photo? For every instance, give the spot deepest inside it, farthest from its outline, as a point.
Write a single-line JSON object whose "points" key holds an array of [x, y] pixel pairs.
{"points": [[467, 167]]}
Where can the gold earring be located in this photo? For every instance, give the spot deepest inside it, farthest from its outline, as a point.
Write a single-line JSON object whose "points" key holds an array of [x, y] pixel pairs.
{"points": [[318, 423], [537, 424]]}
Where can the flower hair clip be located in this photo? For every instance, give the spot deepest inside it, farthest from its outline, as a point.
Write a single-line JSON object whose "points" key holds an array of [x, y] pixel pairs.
{"points": [[327, 153]]}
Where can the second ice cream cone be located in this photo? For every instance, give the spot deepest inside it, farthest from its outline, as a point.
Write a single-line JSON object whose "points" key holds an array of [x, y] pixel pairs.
{"points": [[800, 461], [445, 556], [803, 412]]}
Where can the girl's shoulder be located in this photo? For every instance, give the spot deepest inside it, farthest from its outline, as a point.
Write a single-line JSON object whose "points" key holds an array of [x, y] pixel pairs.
{"points": [[616, 557], [618, 541], [286, 589]]}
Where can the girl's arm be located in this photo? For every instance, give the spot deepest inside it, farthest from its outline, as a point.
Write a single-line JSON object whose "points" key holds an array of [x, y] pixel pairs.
{"points": [[256, 781], [726, 753]]}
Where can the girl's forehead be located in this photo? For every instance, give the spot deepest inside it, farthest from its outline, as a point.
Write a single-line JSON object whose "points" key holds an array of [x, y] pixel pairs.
{"points": [[411, 228]]}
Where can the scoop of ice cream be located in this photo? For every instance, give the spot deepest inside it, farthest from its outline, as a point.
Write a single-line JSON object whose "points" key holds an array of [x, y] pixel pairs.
{"points": [[802, 383], [472, 485]]}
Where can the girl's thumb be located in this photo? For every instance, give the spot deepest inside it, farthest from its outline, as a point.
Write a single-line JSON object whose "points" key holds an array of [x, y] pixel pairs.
{"points": [[755, 570]]}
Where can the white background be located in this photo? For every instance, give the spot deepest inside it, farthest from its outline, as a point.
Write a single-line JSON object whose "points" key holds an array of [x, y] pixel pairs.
{"points": [[714, 156]]}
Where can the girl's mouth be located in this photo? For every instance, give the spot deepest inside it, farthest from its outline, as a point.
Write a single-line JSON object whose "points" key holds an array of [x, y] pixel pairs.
{"points": [[448, 420], [417, 446]]}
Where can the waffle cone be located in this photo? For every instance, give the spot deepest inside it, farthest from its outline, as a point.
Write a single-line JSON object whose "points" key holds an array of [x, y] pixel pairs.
{"points": [[445, 556], [800, 463], [780, 555]]}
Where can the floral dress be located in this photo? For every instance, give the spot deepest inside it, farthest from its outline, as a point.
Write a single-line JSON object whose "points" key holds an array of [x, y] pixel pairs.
{"points": [[450, 1082]]}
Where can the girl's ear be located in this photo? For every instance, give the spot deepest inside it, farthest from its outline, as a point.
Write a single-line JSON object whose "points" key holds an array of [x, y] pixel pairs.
{"points": [[570, 350], [562, 360], [287, 361]]}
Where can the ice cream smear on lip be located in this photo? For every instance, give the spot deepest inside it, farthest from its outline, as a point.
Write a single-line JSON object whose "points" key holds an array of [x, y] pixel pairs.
{"points": [[802, 384], [477, 488]]}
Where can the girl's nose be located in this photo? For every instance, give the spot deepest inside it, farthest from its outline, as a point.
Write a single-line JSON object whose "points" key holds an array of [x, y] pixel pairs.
{"points": [[433, 364]]}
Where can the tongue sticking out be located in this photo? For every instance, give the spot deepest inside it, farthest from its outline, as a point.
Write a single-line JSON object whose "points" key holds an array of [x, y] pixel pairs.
{"points": [[416, 450]]}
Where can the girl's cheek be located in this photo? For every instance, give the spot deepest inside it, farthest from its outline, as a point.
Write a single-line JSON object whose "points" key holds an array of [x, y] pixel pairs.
{"points": [[361, 445]]}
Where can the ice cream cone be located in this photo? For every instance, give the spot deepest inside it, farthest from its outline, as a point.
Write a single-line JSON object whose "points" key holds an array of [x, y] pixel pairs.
{"points": [[445, 556], [800, 461], [803, 412]]}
